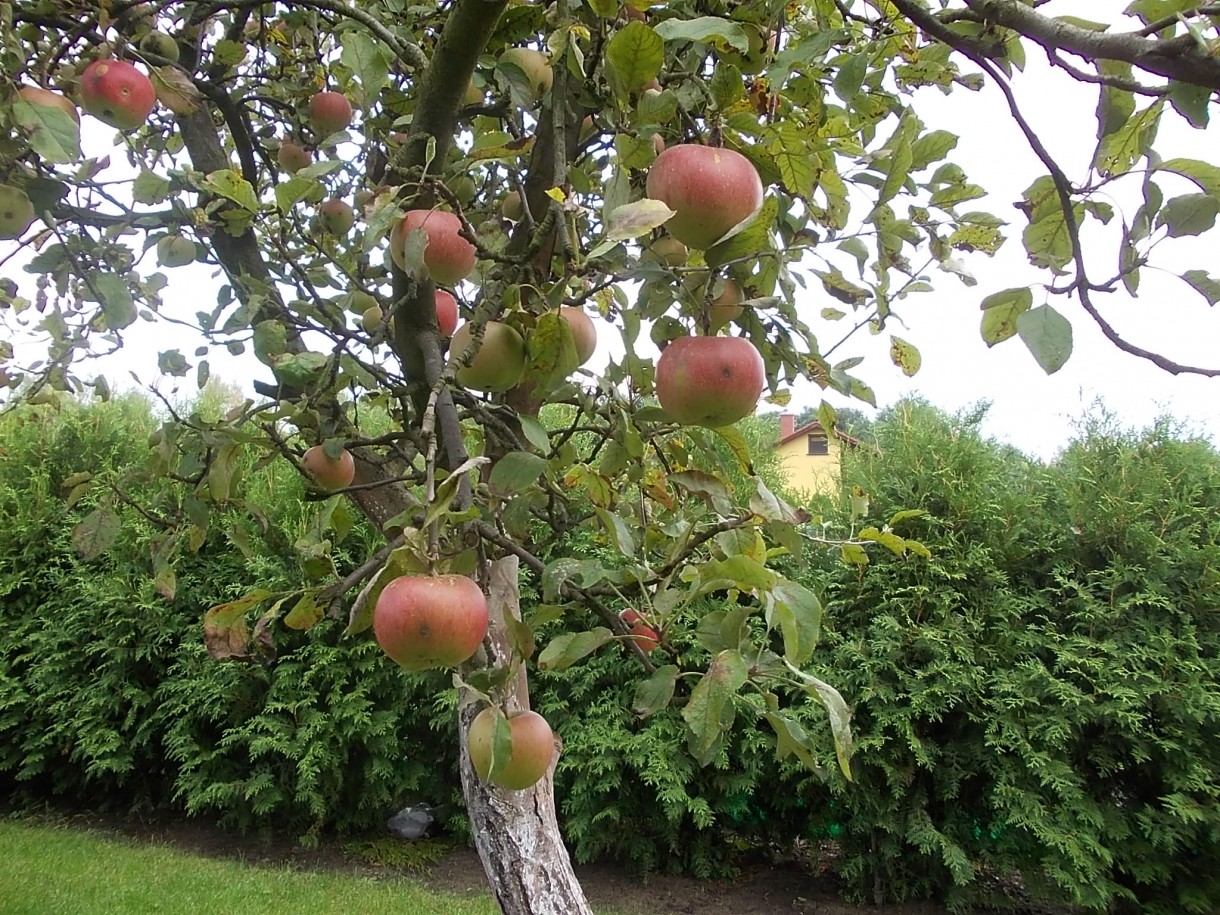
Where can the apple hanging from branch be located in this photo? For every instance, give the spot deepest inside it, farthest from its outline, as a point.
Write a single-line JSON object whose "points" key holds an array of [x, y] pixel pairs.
{"points": [[499, 362], [328, 472], [117, 94], [710, 190], [448, 257], [533, 748], [430, 621], [709, 381]]}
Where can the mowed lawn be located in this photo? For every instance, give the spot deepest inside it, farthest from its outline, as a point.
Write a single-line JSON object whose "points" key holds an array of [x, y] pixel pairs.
{"points": [[52, 870]]}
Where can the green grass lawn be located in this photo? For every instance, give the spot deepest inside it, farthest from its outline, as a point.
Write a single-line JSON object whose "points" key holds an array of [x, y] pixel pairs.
{"points": [[50, 870]]}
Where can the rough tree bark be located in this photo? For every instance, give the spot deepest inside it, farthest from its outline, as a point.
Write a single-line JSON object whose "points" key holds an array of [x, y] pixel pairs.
{"points": [[516, 832]]}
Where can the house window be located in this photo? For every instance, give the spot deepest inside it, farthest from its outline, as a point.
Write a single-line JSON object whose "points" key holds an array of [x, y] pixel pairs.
{"points": [[818, 444]]}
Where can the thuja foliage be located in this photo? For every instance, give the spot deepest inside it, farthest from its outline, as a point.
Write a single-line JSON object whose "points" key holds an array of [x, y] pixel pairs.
{"points": [[107, 696], [1042, 695]]}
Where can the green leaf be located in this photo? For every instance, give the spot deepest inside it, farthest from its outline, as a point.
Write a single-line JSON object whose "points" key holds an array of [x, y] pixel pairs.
{"points": [[305, 613], [709, 713], [565, 650], [735, 572], [854, 554], [840, 719], [1204, 284], [1204, 174], [635, 55], [702, 29], [296, 189], [799, 613], [300, 369], [636, 219], [850, 77], [709, 488], [1048, 335], [501, 744], [1190, 214], [904, 355], [791, 740], [552, 353], [516, 471], [118, 306], [752, 240], [932, 147], [172, 362], [149, 187], [655, 693], [1001, 311], [53, 134], [535, 433], [902, 157], [892, 542], [368, 60], [1192, 102], [447, 489], [232, 186], [1114, 106], [96, 533]]}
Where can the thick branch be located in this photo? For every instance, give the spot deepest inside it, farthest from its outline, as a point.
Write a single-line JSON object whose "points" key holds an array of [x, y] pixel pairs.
{"points": [[1178, 58]]}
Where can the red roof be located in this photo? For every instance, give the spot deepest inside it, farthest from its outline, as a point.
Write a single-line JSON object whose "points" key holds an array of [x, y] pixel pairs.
{"points": [[816, 426]]}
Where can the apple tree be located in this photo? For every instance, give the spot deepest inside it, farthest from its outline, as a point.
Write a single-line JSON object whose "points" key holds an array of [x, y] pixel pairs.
{"points": [[327, 188]]}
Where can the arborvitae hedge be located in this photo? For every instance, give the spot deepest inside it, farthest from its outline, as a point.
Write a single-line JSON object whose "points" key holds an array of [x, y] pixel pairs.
{"points": [[1040, 697]]}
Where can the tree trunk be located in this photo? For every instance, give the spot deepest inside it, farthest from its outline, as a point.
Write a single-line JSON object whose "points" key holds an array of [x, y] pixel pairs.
{"points": [[516, 832]]}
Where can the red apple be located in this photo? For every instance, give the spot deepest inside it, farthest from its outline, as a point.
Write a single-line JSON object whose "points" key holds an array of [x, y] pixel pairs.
{"points": [[292, 157], [446, 313], [424, 621], [116, 93], [533, 748], [328, 473], [643, 634], [583, 331], [710, 189], [709, 381], [36, 95], [499, 362], [336, 216], [329, 112], [726, 307], [448, 256]]}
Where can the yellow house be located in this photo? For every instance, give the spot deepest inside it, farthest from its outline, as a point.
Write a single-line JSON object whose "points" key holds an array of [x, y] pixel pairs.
{"points": [[810, 457]]}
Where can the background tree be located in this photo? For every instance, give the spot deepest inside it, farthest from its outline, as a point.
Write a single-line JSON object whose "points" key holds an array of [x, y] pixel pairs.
{"points": [[334, 163]]}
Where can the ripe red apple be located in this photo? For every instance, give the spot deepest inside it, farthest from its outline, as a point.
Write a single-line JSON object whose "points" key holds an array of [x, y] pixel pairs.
{"points": [[534, 65], [116, 93], [726, 307], [709, 381], [446, 313], [643, 634], [533, 748], [710, 189], [448, 256], [36, 95], [426, 621], [16, 211], [328, 473], [499, 362], [329, 112], [336, 216], [292, 157], [583, 331]]}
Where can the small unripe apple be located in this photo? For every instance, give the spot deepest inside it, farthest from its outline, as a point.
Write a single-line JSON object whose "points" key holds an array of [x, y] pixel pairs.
{"points": [[446, 313], [292, 157], [642, 634], [448, 256], [464, 189], [653, 85], [161, 45], [668, 251], [16, 211], [709, 381], [534, 65], [361, 301], [116, 93], [710, 189], [726, 307], [370, 320], [499, 362], [175, 251], [36, 95], [329, 112], [327, 472], [336, 216], [583, 332], [533, 749], [425, 621], [512, 207]]}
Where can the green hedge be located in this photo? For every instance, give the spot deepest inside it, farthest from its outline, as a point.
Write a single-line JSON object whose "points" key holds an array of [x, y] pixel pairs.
{"points": [[1039, 697]]}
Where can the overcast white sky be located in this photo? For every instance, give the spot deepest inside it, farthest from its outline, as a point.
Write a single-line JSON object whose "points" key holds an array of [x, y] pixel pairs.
{"points": [[1030, 409]]}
